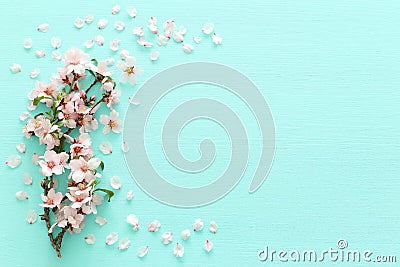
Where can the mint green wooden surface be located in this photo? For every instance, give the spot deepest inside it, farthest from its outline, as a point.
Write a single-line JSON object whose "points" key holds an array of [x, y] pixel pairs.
{"points": [[330, 73]]}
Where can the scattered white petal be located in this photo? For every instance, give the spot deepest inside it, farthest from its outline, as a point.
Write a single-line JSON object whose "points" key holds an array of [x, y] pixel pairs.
{"points": [[154, 226], [109, 61], [21, 148], [152, 21], [14, 161], [133, 220], [21, 195], [119, 26], [24, 116], [153, 29], [162, 39], [34, 73], [144, 42], [124, 244], [102, 23], [35, 158], [179, 250], [99, 40], [134, 101], [56, 55], [169, 26], [88, 44], [55, 42], [198, 225], [111, 238], [177, 36], [27, 178], [207, 28], [197, 39], [106, 148], [124, 54], [138, 31], [100, 220], [31, 216], [40, 53], [216, 39], [187, 48], [132, 12], [89, 19], [43, 27], [213, 227], [79, 22], [208, 245], [125, 147], [129, 195], [90, 239], [185, 234], [116, 9], [28, 43], [166, 238], [154, 55], [114, 45], [115, 182], [142, 251], [15, 68], [182, 30]]}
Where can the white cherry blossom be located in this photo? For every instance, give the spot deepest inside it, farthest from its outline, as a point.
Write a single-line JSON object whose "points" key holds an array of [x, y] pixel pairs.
{"points": [[207, 28], [99, 40], [154, 226], [142, 251], [179, 250], [106, 147], [115, 10], [129, 70], [111, 238], [21, 147], [28, 43], [102, 23], [43, 27], [88, 44], [100, 220], [216, 39], [21, 195], [119, 25], [208, 245], [15, 68], [89, 19], [82, 169], [114, 45], [185, 234], [213, 227], [133, 220], [111, 122], [132, 12], [34, 73], [166, 238], [129, 195], [90, 239], [115, 182], [79, 22], [124, 243], [52, 163], [13, 161], [27, 178], [187, 48], [52, 199], [198, 225], [31, 216]]}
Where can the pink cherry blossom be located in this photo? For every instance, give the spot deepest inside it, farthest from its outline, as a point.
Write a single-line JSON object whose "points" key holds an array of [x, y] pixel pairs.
{"points": [[52, 199], [75, 61], [82, 169], [129, 70], [111, 122], [52, 163]]}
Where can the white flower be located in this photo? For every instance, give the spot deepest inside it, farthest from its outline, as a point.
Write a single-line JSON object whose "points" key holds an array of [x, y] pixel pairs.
{"points": [[198, 225], [89, 19], [208, 245], [88, 44], [106, 147], [111, 238], [132, 12], [185, 234], [115, 182], [100, 220], [111, 122], [116, 9], [213, 227], [15, 68], [129, 70], [27, 178], [102, 23], [31, 216], [52, 199], [76, 61], [90, 239], [28, 43], [99, 40], [21, 195], [35, 158], [197, 39], [114, 45], [138, 31], [154, 226], [13, 161], [142, 251], [40, 53], [53, 163], [55, 42], [177, 36], [119, 25], [162, 39], [24, 116], [81, 169], [43, 27], [21, 148], [34, 73], [124, 244], [179, 250], [133, 220], [216, 39], [129, 195], [142, 41], [124, 54], [207, 28], [187, 48], [56, 55], [166, 238]]}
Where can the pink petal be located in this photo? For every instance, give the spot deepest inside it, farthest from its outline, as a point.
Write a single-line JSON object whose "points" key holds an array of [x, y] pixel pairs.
{"points": [[106, 147], [90, 239], [179, 250], [111, 238], [14, 161], [21, 147], [79, 22], [24, 116], [124, 244], [100, 220], [31, 216], [208, 246], [207, 28], [21, 195], [142, 251], [185, 234], [198, 225], [115, 10], [27, 178], [115, 182], [43, 27]]}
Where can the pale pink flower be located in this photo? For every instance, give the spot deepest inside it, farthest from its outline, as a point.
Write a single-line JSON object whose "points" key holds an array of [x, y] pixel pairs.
{"points": [[111, 122], [129, 70], [78, 198], [81, 169], [72, 217], [76, 61], [52, 199], [52, 163], [213, 227], [81, 146]]}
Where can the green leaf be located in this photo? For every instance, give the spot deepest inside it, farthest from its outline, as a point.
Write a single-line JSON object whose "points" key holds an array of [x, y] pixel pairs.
{"points": [[37, 100], [102, 165], [109, 193]]}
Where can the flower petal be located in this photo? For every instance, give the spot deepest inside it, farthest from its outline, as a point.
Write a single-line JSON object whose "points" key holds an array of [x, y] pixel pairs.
{"points": [[138, 31], [35, 158], [90, 239], [89, 19], [198, 225], [100, 220], [27, 178], [119, 25], [124, 244], [213, 227], [115, 10], [115, 182], [179, 250], [208, 245], [79, 22], [166, 238], [154, 226], [207, 28], [216, 39], [21, 195], [187, 48], [142, 251], [28, 43], [129, 195], [125, 147], [114, 45], [132, 12], [102, 23], [14, 161], [99, 40], [40, 53], [15, 68], [21, 148], [111, 238], [134, 101], [154, 55], [31, 216], [55, 42], [124, 54], [185, 234], [56, 55], [43, 27], [88, 44], [106, 147], [133, 220], [24, 116], [34, 73], [197, 39]]}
